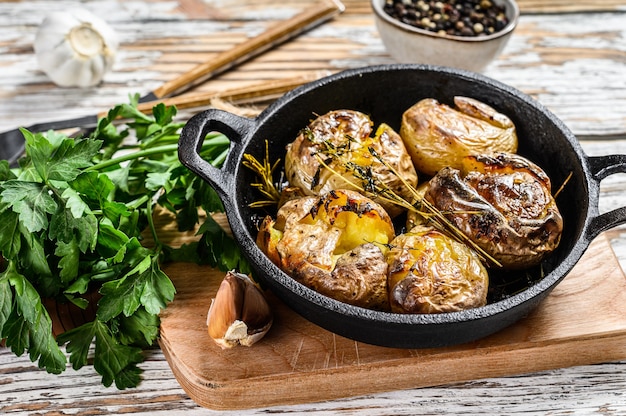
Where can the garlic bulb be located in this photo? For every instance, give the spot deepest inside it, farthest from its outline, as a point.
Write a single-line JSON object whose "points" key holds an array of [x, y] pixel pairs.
{"points": [[75, 48]]}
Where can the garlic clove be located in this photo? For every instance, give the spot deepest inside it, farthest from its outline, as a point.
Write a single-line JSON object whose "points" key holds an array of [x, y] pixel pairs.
{"points": [[239, 314], [75, 48], [225, 307]]}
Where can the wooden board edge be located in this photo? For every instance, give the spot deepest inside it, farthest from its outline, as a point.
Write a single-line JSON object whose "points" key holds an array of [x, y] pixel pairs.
{"points": [[447, 368]]}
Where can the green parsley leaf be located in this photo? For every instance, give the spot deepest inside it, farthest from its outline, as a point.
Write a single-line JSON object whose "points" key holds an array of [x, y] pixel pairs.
{"points": [[69, 255], [6, 301], [33, 255], [10, 236], [145, 285], [67, 161], [5, 171], [116, 362], [94, 187], [158, 289], [27, 326], [31, 200], [72, 221], [140, 328], [78, 342], [219, 250]]}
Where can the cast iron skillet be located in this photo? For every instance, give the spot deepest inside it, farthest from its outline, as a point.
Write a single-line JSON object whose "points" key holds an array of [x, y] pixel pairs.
{"points": [[385, 92]]}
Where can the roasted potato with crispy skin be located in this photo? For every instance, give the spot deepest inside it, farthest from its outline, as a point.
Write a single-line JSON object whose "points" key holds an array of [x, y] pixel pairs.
{"points": [[429, 272], [503, 203], [437, 135], [347, 135], [334, 244]]}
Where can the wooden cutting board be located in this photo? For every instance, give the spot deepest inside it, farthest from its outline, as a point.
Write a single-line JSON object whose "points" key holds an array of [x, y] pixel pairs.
{"points": [[581, 322]]}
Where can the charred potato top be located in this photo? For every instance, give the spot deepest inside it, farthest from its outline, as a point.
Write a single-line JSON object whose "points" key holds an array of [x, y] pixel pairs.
{"points": [[438, 136], [343, 140], [503, 203], [430, 272], [333, 244]]}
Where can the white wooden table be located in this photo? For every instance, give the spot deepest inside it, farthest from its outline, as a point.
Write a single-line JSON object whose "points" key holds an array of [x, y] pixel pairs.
{"points": [[571, 56]]}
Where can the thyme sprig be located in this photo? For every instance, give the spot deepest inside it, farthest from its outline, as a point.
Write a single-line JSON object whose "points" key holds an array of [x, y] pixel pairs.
{"points": [[556, 194], [365, 182], [265, 172], [371, 185]]}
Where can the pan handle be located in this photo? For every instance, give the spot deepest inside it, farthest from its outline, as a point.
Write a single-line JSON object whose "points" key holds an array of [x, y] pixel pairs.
{"points": [[601, 167], [235, 127]]}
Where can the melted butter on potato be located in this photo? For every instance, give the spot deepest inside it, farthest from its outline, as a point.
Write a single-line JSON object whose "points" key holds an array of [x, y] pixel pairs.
{"points": [[430, 272], [334, 244], [437, 135]]}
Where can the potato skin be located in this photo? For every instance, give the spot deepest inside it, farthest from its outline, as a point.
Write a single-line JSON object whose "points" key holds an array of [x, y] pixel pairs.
{"points": [[302, 167], [437, 135], [350, 133], [430, 272], [504, 204], [333, 244]]}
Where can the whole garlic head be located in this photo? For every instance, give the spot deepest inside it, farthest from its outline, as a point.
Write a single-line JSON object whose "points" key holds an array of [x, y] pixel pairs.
{"points": [[75, 48]]}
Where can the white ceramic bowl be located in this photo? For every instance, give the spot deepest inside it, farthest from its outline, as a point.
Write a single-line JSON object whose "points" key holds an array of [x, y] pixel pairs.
{"points": [[409, 44]]}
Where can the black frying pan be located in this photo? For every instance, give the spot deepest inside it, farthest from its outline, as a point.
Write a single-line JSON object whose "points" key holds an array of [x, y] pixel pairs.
{"points": [[385, 92]]}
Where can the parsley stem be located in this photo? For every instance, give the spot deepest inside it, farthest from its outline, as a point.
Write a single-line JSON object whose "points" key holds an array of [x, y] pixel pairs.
{"points": [[138, 202], [213, 140], [217, 160], [152, 227]]}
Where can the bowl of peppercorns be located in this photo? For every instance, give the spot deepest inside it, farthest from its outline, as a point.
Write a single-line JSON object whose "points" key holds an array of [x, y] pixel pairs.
{"points": [[466, 34]]}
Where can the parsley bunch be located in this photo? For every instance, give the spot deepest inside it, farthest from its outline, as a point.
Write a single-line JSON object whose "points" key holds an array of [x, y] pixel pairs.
{"points": [[72, 216]]}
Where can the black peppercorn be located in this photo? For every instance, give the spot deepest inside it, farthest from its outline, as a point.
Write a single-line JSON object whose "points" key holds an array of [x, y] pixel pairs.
{"points": [[451, 17]]}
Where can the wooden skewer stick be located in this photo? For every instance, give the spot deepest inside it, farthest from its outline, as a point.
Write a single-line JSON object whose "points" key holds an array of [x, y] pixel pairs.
{"points": [[274, 36]]}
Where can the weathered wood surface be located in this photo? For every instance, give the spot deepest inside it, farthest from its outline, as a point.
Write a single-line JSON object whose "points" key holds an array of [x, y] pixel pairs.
{"points": [[571, 56], [574, 62]]}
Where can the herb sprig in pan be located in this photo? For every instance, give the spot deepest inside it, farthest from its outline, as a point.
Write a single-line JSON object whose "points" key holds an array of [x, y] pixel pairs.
{"points": [[337, 159], [72, 220], [371, 185]]}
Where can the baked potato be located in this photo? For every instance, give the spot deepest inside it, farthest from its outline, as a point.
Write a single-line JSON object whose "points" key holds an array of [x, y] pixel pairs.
{"points": [[503, 203], [430, 272], [437, 135], [344, 141], [333, 243]]}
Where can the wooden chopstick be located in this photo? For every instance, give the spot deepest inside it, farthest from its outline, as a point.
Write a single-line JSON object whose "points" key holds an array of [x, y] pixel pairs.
{"points": [[264, 91], [275, 35], [248, 94]]}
